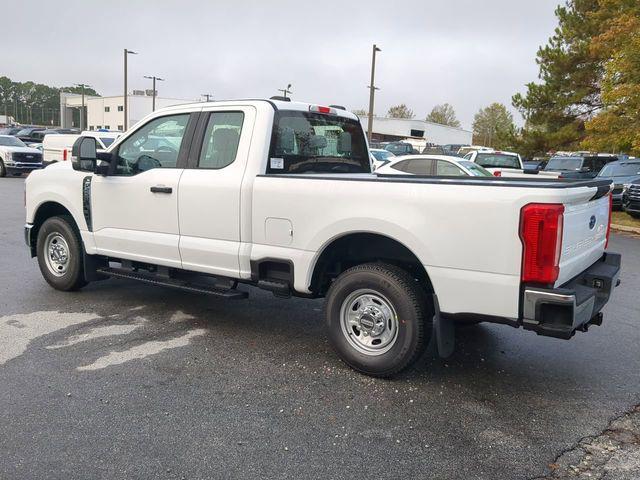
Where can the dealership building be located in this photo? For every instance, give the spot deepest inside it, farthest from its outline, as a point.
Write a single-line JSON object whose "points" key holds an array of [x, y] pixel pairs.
{"points": [[108, 112], [392, 129]]}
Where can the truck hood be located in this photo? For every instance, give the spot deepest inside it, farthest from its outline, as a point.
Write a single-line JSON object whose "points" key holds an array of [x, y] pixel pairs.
{"points": [[4, 148]]}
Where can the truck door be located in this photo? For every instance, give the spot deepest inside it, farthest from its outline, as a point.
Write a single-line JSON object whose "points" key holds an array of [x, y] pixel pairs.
{"points": [[135, 208], [210, 197]]}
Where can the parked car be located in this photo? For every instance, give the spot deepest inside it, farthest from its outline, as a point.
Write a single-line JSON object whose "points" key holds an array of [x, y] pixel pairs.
{"points": [[452, 149], [432, 165], [631, 198], [57, 148], [16, 158], [578, 166], [27, 134], [400, 148], [380, 157], [536, 164], [462, 151], [280, 195], [433, 150], [620, 173], [10, 130]]}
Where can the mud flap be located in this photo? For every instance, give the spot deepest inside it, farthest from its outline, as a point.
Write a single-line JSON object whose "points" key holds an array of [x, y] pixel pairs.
{"points": [[444, 332]]}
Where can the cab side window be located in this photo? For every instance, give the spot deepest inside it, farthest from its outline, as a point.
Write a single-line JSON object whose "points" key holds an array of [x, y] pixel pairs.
{"points": [[221, 140], [155, 145]]}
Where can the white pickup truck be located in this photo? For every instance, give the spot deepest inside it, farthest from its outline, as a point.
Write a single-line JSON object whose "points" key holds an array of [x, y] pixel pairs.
{"points": [[504, 164], [279, 195]]}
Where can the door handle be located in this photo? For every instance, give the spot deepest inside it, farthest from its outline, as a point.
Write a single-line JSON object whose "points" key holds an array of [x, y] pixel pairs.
{"points": [[161, 189]]}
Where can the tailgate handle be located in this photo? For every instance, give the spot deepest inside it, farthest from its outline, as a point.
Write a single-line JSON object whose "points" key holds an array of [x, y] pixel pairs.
{"points": [[158, 189]]}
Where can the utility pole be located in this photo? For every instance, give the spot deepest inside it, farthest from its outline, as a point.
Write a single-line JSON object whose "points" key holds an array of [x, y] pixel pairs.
{"points": [[82, 86], [126, 120], [372, 91], [154, 78], [207, 96], [285, 90]]}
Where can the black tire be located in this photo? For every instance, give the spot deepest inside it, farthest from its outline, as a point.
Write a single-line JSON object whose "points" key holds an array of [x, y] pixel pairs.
{"points": [[404, 295], [73, 276], [634, 214], [3, 170]]}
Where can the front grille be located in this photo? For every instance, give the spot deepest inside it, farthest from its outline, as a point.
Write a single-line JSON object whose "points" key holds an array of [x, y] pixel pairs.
{"points": [[22, 157], [634, 192]]}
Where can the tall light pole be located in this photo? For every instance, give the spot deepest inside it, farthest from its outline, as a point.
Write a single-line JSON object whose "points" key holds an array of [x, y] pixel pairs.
{"points": [[154, 78], [83, 86], [207, 96], [372, 91], [285, 90], [126, 120]]}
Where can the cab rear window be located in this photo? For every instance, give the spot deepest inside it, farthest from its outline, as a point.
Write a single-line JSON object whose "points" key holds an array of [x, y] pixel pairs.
{"points": [[307, 142]]}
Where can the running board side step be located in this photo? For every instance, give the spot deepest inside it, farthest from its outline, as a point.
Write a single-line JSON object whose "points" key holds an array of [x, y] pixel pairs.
{"points": [[183, 285]]}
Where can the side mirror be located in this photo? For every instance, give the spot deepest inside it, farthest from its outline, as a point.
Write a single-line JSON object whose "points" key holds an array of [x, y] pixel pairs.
{"points": [[585, 169], [84, 153]]}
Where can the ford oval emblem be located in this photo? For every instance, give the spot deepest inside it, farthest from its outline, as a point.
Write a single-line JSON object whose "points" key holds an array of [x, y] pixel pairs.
{"points": [[592, 222]]}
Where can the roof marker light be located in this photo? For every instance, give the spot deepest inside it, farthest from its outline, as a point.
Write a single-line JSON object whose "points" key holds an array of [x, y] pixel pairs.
{"points": [[320, 109]]}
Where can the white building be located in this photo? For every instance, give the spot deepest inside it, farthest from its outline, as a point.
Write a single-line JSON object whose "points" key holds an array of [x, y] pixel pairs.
{"points": [[108, 112], [390, 129], [7, 120]]}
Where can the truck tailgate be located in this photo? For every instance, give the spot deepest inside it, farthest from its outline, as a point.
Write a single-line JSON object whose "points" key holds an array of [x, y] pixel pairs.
{"points": [[584, 236]]}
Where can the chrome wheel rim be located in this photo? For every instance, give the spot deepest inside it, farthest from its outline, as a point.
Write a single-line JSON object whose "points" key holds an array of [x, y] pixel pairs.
{"points": [[369, 322], [56, 251]]}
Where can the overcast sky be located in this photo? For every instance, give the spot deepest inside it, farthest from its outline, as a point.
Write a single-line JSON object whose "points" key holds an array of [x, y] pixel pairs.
{"points": [[465, 52]]}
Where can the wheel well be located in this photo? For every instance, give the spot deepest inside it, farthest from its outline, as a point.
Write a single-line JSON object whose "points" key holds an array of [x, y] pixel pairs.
{"points": [[358, 248], [45, 211]]}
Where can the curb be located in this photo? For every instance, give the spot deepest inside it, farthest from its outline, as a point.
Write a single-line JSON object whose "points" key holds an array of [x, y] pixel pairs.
{"points": [[622, 228]]}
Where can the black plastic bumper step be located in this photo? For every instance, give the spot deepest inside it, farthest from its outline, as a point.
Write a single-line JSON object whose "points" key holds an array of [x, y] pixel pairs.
{"points": [[152, 279]]}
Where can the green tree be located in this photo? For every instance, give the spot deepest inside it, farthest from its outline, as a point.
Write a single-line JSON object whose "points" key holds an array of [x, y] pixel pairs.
{"points": [[78, 90], [400, 111], [6, 93], [493, 127], [444, 115], [568, 93], [617, 126]]}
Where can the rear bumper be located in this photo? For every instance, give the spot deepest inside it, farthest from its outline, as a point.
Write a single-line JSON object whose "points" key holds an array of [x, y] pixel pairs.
{"points": [[560, 312]]}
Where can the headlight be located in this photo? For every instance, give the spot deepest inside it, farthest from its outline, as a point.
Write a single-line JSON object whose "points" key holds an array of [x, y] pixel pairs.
{"points": [[8, 158]]}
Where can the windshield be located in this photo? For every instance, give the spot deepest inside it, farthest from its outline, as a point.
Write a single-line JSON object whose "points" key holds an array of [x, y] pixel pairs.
{"points": [[382, 154], [306, 142], [564, 163], [24, 131], [398, 148], [492, 160], [11, 142], [107, 141], [475, 169], [620, 170]]}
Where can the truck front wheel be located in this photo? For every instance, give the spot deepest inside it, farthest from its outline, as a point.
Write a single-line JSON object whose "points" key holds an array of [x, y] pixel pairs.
{"points": [[59, 251], [376, 319]]}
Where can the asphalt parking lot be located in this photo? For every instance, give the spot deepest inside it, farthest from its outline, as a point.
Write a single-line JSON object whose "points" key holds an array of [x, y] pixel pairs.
{"points": [[123, 380]]}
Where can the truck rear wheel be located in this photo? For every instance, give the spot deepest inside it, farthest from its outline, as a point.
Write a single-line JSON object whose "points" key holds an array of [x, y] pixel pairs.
{"points": [[3, 170], [60, 256], [376, 319]]}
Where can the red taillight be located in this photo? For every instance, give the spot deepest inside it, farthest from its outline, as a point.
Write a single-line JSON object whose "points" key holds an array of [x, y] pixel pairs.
{"points": [[606, 245], [497, 173], [64, 154], [541, 235]]}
